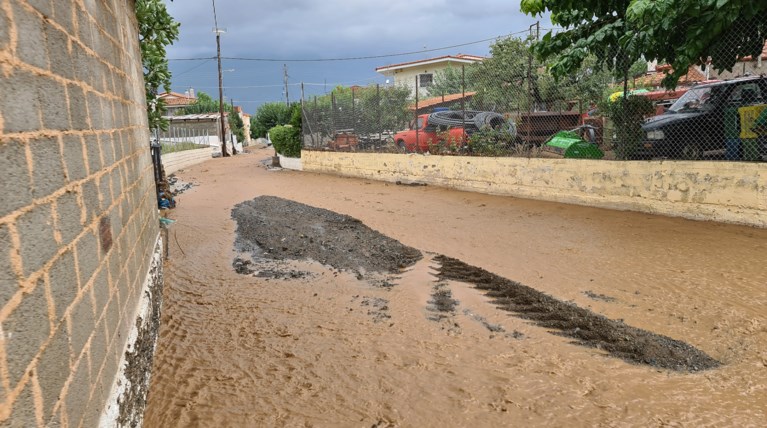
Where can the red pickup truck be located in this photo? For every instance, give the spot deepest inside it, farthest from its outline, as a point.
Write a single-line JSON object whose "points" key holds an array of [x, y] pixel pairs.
{"points": [[421, 136]]}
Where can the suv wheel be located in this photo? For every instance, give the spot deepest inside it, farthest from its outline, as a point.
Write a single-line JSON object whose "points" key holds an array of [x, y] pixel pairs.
{"points": [[691, 151]]}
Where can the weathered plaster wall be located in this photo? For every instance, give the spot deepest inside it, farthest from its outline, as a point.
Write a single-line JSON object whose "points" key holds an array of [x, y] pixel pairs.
{"points": [[719, 191], [78, 216], [173, 162]]}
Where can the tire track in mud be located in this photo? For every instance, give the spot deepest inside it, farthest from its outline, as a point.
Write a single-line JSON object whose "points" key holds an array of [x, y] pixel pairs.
{"points": [[273, 228], [589, 329]]}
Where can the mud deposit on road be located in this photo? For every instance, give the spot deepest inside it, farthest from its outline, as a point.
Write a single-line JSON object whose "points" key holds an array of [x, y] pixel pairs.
{"points": [[250, 339], [589, 329], [279, 229]]}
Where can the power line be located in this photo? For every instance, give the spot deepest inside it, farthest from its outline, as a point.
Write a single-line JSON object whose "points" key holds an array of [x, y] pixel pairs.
{"points": [[356, 58], [191, 69], [281, 85], [192, 59]]}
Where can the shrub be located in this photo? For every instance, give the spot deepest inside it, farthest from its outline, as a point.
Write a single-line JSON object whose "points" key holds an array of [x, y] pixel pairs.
{"points": [[490, 142], [268, 116], [628, 115], [286, 140]]}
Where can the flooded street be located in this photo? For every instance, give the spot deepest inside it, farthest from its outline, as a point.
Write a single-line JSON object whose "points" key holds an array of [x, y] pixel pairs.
{"points": [[299, 343]]}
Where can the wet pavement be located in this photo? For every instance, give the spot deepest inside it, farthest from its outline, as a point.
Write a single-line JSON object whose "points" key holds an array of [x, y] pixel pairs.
{"points": [[327, 348]]}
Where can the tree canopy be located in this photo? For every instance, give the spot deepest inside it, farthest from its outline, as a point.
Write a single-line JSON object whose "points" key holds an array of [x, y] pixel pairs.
{"points": [[157, 29], [688, 32], [511, 79], [268, 116], [591, 27], [367, 110], [680, 32], [450, 80], [204, 104]]}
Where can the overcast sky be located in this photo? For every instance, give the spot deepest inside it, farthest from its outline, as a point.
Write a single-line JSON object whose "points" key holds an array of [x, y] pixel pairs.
{"points": [[283, 30]]}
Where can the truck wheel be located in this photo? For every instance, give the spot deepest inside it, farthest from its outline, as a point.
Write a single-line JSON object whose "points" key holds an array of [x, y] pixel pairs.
{"points": [[401, 145]]}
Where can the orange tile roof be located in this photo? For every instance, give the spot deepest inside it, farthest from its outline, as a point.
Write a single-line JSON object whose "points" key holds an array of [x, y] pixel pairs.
{"points": [[431, 102], [179, 101], [654, 80], [176, 99]]}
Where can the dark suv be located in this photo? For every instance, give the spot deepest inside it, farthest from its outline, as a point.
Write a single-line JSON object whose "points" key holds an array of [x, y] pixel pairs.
{"points": [[694, 126]]}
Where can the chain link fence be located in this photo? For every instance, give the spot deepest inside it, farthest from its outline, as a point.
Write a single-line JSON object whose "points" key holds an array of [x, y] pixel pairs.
{"points": [[509, 105], [180, 138]]}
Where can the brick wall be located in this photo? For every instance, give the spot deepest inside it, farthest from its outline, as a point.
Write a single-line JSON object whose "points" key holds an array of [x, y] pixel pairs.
{"points": [[78, 221]]}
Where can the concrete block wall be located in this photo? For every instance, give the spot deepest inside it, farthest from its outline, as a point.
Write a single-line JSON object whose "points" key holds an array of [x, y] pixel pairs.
{"points": [[78, 217], [733, 192]]}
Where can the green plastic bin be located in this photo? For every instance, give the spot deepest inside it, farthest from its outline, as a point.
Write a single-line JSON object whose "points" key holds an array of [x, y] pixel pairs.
{"points": [[570, 145]]}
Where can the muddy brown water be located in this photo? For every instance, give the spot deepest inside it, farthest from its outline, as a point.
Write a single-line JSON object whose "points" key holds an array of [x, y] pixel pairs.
{"points": [[321, 347]]}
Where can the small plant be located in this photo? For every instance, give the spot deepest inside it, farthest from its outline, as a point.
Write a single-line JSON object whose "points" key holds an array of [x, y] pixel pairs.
{"points": [[490, 142], [446, 144], [525, 150], [628, 115]]}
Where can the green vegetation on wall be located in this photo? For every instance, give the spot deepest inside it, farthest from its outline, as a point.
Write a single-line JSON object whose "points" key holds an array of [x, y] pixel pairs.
{"points": [[157, 29]]}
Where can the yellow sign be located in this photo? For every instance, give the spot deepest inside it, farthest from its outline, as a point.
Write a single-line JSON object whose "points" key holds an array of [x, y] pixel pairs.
{"points": [[748, 116]]}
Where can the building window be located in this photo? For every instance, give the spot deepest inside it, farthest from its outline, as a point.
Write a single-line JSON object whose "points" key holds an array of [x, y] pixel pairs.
{"points": [[424, 80]]}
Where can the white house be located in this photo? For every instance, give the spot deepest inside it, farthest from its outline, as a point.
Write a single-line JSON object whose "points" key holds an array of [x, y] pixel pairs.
{"points": [[422, 72]]}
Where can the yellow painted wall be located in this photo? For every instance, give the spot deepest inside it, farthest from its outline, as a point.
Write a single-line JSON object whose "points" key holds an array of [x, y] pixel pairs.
{"points": [[719, 191]]}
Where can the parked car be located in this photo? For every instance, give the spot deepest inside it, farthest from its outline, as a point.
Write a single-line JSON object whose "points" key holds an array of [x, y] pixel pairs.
{"points": [[694, 126], [422, 134], [452, 128]]}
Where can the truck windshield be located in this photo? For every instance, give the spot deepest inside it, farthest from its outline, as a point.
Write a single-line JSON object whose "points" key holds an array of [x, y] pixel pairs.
{"points": [[695, 99]]}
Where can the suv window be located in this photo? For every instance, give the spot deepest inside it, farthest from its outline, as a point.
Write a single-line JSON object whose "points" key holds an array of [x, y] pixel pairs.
{"points": [[696, 99], [747, 93]]}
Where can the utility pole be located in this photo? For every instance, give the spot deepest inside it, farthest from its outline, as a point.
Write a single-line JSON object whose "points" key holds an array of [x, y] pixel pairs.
{"points": [[285, 77], [234, 149], [218, 32]]}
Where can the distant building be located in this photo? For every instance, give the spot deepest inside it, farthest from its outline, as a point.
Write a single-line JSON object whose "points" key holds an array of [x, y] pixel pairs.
{"points": [[653, 79], [175, 101], [421, 72], [744, 67]]}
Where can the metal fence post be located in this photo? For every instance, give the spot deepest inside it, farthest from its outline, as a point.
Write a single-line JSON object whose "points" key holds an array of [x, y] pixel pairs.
{"points": [[333, 112], [354, 112], [415, 123], [463, 98], [378, 113]]}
